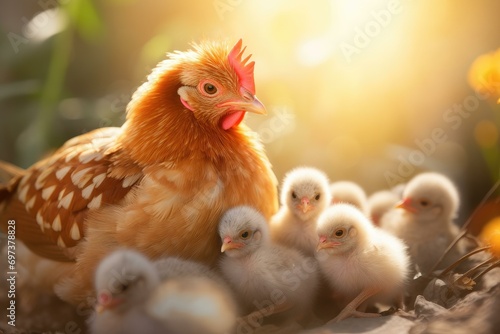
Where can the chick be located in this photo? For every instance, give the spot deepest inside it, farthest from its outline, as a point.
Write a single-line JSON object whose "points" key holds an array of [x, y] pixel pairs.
{"points": [[424, 219], [349, 192], [379, 203], [359, 260], [193, 305], [132, 298], [269, 279], [189, 279], [304, 195], [124, 280]]}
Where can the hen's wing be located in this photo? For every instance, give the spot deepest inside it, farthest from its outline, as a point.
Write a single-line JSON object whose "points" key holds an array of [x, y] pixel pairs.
{"points": [[51, 199]]}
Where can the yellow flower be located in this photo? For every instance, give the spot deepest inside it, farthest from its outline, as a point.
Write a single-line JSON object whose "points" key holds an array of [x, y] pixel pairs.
{"points": [[484, 75], [490, 235]]}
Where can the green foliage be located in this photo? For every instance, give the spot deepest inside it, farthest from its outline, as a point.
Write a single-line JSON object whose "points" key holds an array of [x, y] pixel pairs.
{"points": [[85, 19]]}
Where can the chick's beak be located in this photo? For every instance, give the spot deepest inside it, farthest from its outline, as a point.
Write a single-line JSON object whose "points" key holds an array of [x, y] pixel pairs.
{"points": [[305, 205], [324, 243], [247, 103], [106, 302], [407, 205], [228, 244]]}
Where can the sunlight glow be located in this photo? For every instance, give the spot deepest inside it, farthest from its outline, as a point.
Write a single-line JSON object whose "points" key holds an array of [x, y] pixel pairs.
{"points": [[314, 51]]}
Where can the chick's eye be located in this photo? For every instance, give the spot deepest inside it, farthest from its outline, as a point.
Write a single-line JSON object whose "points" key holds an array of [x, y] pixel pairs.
{"points": [[317, 197], [294, 195], [209, 88], [245, 234], [122, 287], [339, 232], [424, 202]]}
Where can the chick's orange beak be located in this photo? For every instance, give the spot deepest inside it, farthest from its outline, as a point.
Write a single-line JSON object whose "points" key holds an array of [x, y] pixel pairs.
{"points": [[324, 243], [228, 244], [305, 205], [407, 205]]}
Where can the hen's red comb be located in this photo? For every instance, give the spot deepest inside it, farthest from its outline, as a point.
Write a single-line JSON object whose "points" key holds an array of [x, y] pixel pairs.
{"points": [[243, 70]]}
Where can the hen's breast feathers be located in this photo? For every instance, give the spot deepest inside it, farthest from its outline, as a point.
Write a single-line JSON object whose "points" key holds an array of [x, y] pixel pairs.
{"points": [[57, 192], [183, 203]]}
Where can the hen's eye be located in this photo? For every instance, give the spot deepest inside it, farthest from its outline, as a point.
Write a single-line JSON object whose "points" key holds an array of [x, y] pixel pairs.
{"points": [[209, 89], [317, 197], [294, 195], [340, 232]]}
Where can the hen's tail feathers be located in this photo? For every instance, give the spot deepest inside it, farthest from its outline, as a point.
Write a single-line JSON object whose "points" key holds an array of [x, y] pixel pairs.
{"points": [[9, 177], [8, 171]]}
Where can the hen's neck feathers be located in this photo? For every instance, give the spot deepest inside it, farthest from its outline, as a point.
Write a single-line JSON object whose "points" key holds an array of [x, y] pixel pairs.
{"points": [[159, 129]]}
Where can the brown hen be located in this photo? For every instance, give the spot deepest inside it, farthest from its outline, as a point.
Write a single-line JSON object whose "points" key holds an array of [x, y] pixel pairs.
{"points": [[159, 183]]}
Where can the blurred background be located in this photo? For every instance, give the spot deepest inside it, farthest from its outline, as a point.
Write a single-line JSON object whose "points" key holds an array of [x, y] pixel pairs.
{"points": [[370, 91]]}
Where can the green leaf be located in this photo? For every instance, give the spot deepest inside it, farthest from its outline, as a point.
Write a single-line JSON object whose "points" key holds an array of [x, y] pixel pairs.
{"points": [[85, 19]]}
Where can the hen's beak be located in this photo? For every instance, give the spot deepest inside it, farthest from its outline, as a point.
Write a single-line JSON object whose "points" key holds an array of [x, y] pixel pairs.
{"points": [[407, 205], [324, 244], [228, 244], [247, 103]]}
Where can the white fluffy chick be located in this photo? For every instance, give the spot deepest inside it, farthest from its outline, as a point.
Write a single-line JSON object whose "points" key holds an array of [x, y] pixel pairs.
{"points": [[269, 279], [379, 203], [132, 299], [193, 305], [188, 282], [304, 195], [424, 219], [124, 280], [349, 192], [359, 260]]}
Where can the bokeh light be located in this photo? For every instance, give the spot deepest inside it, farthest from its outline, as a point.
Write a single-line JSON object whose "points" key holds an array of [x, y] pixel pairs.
{"points": [[490, 235], [486, 134], [484, 74]]}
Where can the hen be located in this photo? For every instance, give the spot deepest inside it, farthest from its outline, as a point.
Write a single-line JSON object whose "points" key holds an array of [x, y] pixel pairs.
{"points": [[160, 182]]}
